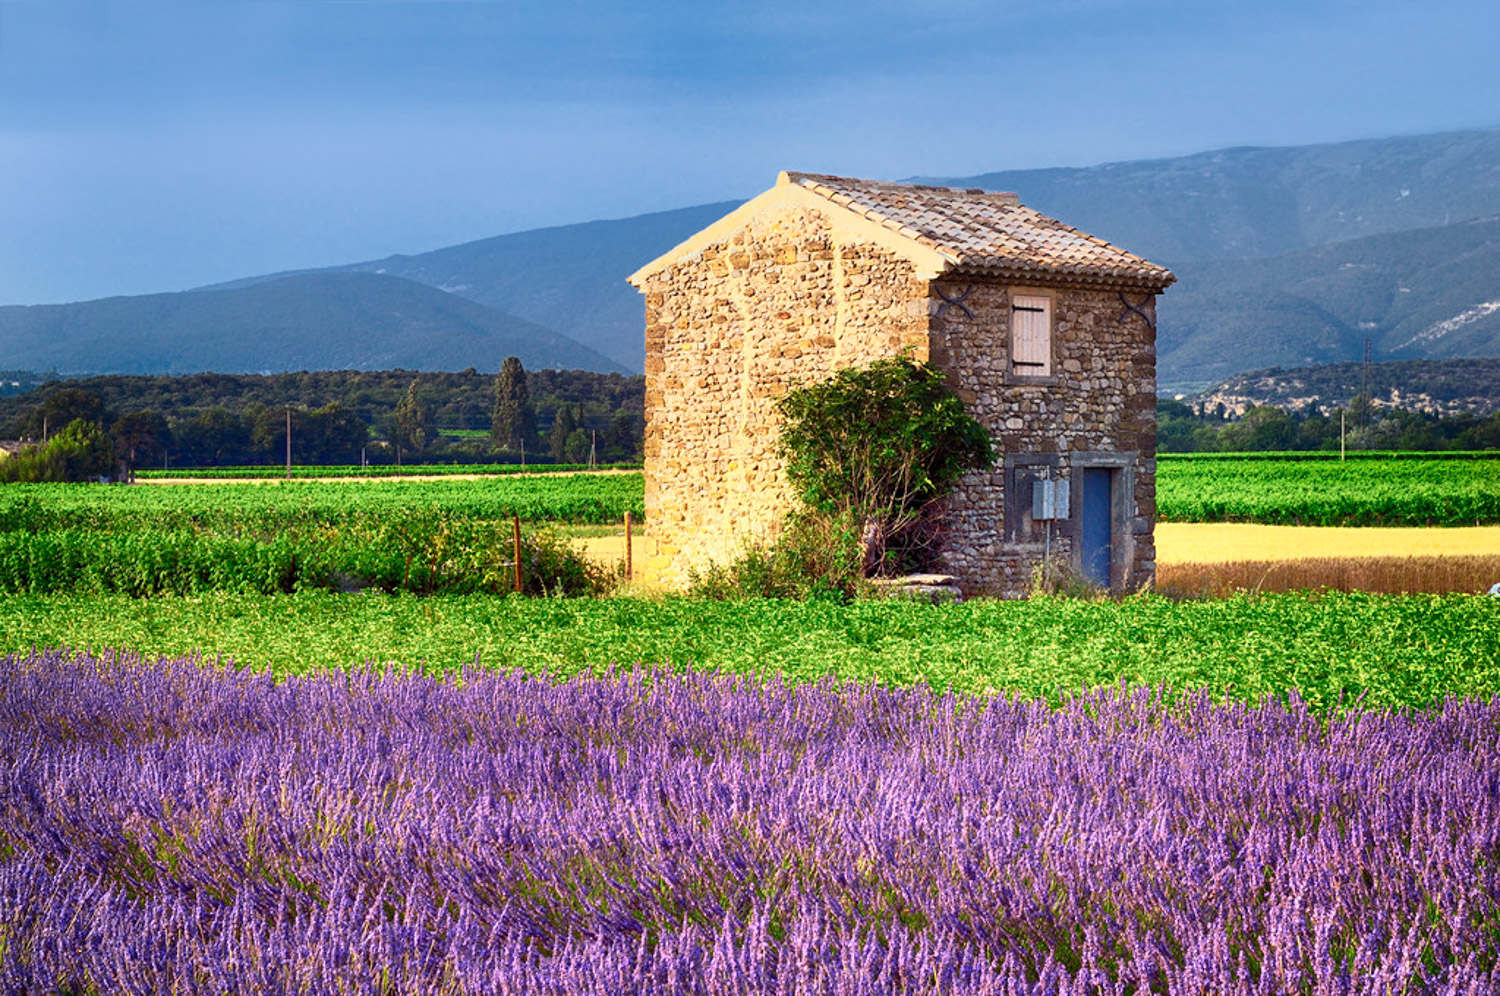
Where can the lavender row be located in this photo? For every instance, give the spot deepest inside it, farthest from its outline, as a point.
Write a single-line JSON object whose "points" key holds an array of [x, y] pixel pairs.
{"points": [[172, 827]]}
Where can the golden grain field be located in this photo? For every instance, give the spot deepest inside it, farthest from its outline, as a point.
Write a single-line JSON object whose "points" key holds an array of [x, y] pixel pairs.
{"points": [[1219, 542], [1213, 559]]}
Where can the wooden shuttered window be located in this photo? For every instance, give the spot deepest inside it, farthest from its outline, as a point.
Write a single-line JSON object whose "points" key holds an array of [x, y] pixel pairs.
{"points": [[1031, 336]]}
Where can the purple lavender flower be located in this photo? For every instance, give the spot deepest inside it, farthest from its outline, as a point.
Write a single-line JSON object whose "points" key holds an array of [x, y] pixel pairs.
{"points": [[167, 826]]}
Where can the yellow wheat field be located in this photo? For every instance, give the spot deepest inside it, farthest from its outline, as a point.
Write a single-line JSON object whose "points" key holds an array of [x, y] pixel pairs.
{"points": [[1219, 542], [1212, 559]]}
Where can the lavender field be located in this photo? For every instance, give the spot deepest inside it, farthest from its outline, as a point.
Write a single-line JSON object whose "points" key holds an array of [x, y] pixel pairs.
{"points": [[167, 826]]}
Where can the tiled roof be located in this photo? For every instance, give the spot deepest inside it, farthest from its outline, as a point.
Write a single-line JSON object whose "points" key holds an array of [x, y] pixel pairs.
{"points": [[991, 233]]}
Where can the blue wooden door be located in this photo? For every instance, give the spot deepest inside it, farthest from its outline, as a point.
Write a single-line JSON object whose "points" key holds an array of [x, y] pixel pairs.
{"points": [[1097, 535]]}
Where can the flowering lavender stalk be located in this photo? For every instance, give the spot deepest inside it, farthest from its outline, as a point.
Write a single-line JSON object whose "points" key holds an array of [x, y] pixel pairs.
{"points": [[172, 827]]}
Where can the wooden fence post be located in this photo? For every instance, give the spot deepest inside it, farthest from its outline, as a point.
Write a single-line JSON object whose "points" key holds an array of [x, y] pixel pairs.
{"points": [[515, 523], [627, 546]]}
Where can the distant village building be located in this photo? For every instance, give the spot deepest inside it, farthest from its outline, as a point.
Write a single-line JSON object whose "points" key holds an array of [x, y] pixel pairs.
{"points": [[1047, 334]]}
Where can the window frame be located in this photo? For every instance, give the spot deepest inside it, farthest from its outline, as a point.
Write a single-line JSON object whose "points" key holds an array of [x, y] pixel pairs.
{"points": [[1022, 372]]}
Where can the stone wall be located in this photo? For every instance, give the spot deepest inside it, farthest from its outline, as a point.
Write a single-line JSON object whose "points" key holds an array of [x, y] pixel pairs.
{"points": [[1098, 408], [784, 301]]}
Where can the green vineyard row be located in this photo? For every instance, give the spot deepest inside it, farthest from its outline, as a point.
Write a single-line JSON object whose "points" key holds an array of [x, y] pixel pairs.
{"points": [[1385, 650]]}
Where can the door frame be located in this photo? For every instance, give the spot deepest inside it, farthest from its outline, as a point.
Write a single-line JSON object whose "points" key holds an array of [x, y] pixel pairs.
{"points": [[1121, 508]]}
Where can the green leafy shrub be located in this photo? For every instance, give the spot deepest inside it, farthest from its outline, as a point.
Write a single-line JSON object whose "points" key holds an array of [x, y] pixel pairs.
{"points": [[868, 452], [873, 448], [82, 451]]}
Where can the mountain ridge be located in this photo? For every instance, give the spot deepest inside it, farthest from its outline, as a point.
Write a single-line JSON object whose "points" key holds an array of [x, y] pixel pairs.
{"points": [[1254, 201], [1426, 293], [299, 321], [1254, 233], [579, 289]]}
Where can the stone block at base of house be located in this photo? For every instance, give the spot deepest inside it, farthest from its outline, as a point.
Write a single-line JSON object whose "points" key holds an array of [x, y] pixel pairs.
{"points": [[919, 587]]}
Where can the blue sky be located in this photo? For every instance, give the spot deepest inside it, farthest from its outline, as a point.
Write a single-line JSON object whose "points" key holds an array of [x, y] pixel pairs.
{"points": [[158, 146]]}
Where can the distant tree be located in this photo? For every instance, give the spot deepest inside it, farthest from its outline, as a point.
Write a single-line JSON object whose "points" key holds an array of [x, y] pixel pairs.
{"points": [[81, 451], [1172, 408], [1483, 435], [1262, 428], [330, 434], [138, 435], [563, 425], [214, 437], [622, 440], [1175, 423], [1361, 410], [412, 420], [513, 421], [577, 446], [267, 425], [61, 406]]}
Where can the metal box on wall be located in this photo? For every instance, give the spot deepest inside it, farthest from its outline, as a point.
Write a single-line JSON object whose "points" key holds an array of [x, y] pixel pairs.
{"points": [[1049, 500]]}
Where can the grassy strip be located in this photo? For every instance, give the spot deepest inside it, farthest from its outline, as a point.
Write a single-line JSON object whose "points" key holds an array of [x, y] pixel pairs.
{"points": [[1396, 650], [1285, 456], [1392, 492], [270, 473]]}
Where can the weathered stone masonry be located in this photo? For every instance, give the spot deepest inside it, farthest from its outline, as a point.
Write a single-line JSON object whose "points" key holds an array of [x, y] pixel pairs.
{"points": [[782, 302], [798, 284], [1097, 409]]}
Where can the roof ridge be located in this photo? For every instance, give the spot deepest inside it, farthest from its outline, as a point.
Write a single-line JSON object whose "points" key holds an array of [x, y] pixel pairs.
{"points": [[969, 230], [797, 176]]}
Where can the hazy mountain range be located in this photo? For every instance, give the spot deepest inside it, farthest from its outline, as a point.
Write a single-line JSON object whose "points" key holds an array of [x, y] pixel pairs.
{"points": [[1286, 256], [305, 321]]}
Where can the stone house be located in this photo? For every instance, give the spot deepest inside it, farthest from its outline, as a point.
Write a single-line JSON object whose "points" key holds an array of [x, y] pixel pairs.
{"points": [[1046, 333]]}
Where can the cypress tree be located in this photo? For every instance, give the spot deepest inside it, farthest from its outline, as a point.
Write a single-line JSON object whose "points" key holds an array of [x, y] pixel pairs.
{"points": [[563, 425], [513, 421], [411, 420]]}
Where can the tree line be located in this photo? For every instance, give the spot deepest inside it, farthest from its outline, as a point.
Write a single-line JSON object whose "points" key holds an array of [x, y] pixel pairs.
{"points": [[1180, 428], [344, 417]]}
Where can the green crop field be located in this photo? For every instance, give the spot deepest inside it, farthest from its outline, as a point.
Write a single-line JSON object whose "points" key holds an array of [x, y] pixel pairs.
{"points": [[1391, 490], [1369, 489], [422, 536], [582, 498], [453, 536], [1392, 650]]}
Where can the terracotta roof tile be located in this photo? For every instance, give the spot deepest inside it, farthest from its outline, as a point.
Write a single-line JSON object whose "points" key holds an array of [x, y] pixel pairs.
{"points": [[985, 232]]}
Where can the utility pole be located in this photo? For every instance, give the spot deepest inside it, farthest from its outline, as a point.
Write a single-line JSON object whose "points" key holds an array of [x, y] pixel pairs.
{"points": [[1364, 385], [289, 442]]}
